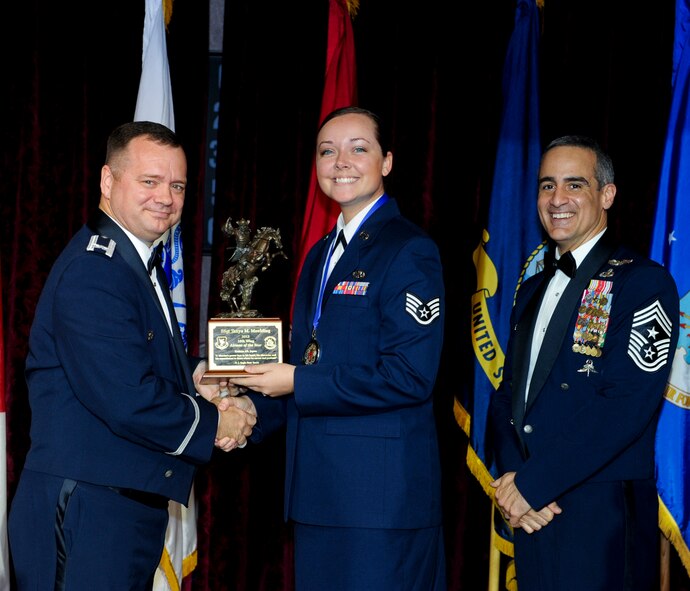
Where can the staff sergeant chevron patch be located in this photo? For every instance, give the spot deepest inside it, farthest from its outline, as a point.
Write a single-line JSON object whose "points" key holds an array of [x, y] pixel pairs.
{"points": [[421, 312]]}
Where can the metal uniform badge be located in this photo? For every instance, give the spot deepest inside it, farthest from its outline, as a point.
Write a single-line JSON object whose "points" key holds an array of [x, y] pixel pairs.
{"points": [[593, 318], [101, 244], [588, 368], [619, 262], [614, 263]]}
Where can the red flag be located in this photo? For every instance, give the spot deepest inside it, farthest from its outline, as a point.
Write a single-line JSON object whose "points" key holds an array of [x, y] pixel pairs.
{"points": [[340, 90]]}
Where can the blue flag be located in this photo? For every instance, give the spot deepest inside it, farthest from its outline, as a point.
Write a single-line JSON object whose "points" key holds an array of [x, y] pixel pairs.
{"points": [[511, 242], [671, 247]]}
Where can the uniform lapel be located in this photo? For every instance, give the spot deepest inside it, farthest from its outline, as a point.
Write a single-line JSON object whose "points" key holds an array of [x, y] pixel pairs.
{"points": [[345, 262], [562, 316], [348, 266], [523, 342], [104, 225], [177, 335]]}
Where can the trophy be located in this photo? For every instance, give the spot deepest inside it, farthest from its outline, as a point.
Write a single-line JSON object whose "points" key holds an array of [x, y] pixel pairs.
{"points": [[243, 336]]}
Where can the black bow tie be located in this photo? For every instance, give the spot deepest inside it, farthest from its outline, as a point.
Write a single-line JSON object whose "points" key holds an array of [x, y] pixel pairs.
{"points": [[566, 264], [156, 258]]}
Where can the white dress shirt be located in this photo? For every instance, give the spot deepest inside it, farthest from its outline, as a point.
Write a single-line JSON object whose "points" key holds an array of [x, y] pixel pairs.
{"points": [[552, 296]]}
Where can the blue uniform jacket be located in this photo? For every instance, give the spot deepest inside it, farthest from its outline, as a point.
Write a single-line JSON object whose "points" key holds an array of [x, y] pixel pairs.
{"points": [[362, 447], [589, 417], [111, 392]]}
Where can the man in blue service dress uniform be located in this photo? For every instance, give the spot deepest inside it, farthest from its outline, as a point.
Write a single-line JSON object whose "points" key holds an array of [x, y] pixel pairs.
{"points": [[117, 427], [575, 416]]}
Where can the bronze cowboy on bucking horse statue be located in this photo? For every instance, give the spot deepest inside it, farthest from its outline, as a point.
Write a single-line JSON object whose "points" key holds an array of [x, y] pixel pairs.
{"points": [[249, 256]]}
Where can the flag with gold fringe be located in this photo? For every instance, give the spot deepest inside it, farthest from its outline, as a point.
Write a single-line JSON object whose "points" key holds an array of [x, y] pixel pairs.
{"points": [[154, 103], [510, 248], [671, 247], [340, 90]]}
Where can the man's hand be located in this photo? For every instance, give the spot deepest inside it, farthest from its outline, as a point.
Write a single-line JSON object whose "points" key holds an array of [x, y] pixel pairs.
{"points": [[235, 423], [509, 499], [243, 402], [534, 520], [515, 508], [221, 387]]}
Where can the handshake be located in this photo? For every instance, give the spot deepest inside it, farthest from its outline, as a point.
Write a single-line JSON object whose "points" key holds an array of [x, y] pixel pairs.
{"points": [[237, 417], [237, 414]]}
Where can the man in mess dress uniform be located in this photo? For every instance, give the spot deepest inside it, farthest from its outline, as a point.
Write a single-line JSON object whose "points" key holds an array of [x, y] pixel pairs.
{"points": [[574, 420]]}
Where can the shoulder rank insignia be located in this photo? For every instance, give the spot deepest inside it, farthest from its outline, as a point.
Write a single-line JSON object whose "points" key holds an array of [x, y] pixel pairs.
{"points": [[101, 244], [424, 313], [650, 337]]}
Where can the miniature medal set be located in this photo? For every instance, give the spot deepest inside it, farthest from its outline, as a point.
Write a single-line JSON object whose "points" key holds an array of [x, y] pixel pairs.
{"points": [[594, 313], [593, 318]]}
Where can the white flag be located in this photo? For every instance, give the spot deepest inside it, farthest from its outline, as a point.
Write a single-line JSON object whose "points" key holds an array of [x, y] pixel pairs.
{"points": [[154, 103]]}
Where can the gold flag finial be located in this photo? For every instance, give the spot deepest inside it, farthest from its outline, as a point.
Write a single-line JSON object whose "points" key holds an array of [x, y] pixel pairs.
{"points": [[352, 7]]}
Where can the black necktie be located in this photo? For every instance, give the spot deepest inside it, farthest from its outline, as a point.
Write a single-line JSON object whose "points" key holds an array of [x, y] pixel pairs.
{"points": [[156, 258], [566, 264], [156, 262], [341, 239], [335, 254]]}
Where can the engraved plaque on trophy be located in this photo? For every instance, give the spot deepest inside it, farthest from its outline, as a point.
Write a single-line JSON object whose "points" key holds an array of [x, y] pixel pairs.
{"points": [[243, 336]]}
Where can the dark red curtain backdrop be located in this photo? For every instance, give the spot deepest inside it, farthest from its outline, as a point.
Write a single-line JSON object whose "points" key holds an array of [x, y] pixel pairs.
{"points": [[70, 73]]}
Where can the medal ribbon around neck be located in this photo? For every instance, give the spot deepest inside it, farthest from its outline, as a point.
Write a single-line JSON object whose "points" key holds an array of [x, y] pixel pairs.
{"points": [[311, 353]]}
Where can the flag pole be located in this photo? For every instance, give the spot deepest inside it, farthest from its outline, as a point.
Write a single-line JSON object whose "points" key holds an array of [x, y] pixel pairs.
{"points": [[509, 251], [664, 563], [494, 555]]}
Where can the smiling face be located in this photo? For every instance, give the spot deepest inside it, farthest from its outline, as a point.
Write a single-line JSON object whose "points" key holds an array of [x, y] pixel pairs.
{"points": [[572, 206], [144, 188], [350, 164]]}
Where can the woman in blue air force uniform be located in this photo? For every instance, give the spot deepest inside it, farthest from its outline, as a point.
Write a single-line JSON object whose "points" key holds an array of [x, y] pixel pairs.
{"points": [[362, 482]]}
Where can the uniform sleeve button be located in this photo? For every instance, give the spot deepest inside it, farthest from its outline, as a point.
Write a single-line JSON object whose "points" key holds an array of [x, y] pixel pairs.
{"points": [[168, 473], [527, 428], [564, 386], [512, 421]]}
